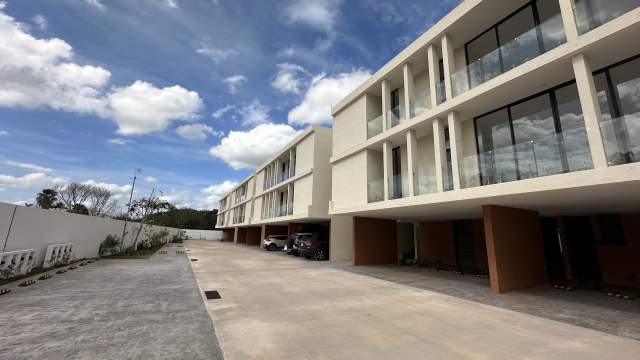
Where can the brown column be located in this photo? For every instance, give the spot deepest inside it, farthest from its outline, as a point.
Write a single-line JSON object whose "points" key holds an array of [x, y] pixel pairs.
{"points": [[437, 244], [374, 241], [253, 236], [242, 235], [514, 248]]}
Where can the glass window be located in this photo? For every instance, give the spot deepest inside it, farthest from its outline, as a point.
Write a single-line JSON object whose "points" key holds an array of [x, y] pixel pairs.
{"points": [[484, 60], [551, 25], [574, 134], [592, 13], [603, 98], [626, 79], [518, 39], [497, 157]]}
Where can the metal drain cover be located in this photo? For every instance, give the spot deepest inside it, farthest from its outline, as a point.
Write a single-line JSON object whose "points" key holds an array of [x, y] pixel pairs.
{"points": [[194, 259], [212, 295]]}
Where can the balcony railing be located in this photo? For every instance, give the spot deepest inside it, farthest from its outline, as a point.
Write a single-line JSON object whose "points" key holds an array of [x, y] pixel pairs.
{"points": [[621, 138], [553, 154], [592, 13], [375, 190], [424, 183], [528, 45], [395, 116], [399, 187], [374, 127], [420, 103]]}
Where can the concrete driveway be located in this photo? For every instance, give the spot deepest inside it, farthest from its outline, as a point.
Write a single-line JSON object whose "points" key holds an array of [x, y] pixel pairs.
{"points": [[111, 309], [276, 306]]}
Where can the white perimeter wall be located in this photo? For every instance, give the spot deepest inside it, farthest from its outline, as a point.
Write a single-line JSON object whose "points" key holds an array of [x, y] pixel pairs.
{"points": [[203, 234], [36, 229]]}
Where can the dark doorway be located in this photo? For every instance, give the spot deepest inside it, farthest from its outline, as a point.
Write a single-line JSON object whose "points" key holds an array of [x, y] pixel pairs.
{"points": [[552, 251], [463, 235], [585, 267]]}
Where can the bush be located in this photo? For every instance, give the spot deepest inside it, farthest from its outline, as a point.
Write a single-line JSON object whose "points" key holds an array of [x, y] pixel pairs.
{"points": [[154, 239], [110, 245]]}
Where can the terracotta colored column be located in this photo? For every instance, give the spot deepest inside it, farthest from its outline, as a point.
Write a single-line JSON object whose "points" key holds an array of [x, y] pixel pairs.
{"points": [[374, 241], [253, 236], [242, 236], [514, 248], [437, 244]]}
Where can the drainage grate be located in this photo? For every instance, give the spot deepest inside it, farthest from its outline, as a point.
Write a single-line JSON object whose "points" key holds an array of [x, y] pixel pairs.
{"points": [[212, 295], [194, 259]]}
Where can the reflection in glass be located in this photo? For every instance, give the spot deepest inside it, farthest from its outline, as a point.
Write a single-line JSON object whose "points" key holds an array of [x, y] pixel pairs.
{"points": [[592, 13]]}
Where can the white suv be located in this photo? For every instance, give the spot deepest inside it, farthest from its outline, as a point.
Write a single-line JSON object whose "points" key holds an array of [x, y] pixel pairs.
{"points": [[274, 242]]}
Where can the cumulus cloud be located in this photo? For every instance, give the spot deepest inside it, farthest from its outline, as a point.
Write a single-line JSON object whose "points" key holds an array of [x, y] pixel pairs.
{"points": [[289, 78], [38, 73], [215, 53], [234, 81], [96, 4], [143, 108], [40, 21], [318, 14], [215, 192], [117, 141], [220, 112], [254, 113], [206, 198], [4, 133], [323, 93], [150, 180], [117, 190], [172, 4], [32, 180], [197, 132], [249, 149], [27, 166]]}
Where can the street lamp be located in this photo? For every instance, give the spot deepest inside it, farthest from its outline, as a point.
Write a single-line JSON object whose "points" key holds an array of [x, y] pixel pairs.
{"points": [[126, 219]]}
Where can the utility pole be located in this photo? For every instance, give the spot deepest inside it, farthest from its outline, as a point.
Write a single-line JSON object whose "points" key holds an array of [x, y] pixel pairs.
{"points": [[126, 219]]}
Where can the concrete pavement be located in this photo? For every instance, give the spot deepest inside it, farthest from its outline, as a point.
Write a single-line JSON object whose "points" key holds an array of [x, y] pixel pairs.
{"points": [[111, 309], [276, 306]]}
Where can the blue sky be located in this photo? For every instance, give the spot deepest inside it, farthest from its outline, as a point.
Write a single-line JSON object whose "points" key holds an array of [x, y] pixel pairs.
{"points": [[194, 92]]}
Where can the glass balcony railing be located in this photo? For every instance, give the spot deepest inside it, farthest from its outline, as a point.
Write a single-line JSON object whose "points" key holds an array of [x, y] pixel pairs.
{"points": [[395, 116], [441, 92], [528, 45], [592, 13], [621, 138], [399, 187], [375, 190], [424, 183], [554, 154], [420, 103], [374, 127]]}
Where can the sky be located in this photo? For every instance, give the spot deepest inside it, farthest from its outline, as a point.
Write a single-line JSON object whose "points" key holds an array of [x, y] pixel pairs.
{"points": [[196, 93]]}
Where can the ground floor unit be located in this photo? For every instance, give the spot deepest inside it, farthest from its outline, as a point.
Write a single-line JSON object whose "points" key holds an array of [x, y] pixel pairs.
{"points": [[253, 235], [275, 306]]}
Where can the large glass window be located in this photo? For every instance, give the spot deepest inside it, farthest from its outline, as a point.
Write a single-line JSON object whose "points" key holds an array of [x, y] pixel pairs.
{"points": [[592, 13], [518, 43], [483, 56], [540, 136]]}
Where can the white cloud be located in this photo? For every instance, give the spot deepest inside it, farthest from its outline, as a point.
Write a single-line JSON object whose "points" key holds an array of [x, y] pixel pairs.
{"points": [[27, 166], [206, 198], [323, 93], [117, 190], [4, 133], [97, 4], [117, 141], [254, 113], [216, 54], [32, 180], [150, 180], [143, 108], [172, 4], [220, 112], [234, 81], [38, 73], [40, 21], [215, 192], [197, 132], [319, 14], [248, 149], [289, 78]]}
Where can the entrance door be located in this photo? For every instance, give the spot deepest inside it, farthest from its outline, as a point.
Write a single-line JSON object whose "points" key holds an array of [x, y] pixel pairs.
{"points": [[585, 267], [463, 235]]}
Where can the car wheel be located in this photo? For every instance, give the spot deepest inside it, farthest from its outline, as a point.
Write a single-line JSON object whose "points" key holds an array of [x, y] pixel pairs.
{"points": [[271, 247], [319, 254]]}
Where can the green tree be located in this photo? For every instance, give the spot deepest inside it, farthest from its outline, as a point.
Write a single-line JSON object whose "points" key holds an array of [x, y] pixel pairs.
{"points": [[48, 199]]}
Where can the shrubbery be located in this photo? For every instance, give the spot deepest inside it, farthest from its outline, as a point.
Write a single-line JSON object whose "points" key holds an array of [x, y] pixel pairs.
{"points": [[110, 245]]}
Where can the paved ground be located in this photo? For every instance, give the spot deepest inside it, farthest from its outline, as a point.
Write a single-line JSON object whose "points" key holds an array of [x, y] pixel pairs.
{"points": [[111, 309], [275, 306]]}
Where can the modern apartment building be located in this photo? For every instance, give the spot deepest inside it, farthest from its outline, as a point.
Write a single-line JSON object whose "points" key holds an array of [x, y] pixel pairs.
{"points": [[288, 193], [505, 140]]}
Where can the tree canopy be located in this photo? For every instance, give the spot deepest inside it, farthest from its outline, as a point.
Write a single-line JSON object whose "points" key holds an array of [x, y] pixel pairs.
{"points": [[186, 219]]}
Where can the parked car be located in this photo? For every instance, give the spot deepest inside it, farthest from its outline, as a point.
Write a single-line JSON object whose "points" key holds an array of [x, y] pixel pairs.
{"points": [[274, 242], [291, 247], [313, 246]]}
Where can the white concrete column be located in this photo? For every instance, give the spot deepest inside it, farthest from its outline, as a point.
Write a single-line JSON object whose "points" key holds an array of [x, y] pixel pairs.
{"points": [[386, 102], [434, 73], [387, 168], [569, 19], [412, 160], [439, 152], [449, 64], [407, 74], [455, 142], [590, 108]]}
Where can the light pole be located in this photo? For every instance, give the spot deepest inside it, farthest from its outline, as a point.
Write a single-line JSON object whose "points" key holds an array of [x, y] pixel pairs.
{"points": [[126, 219]]}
